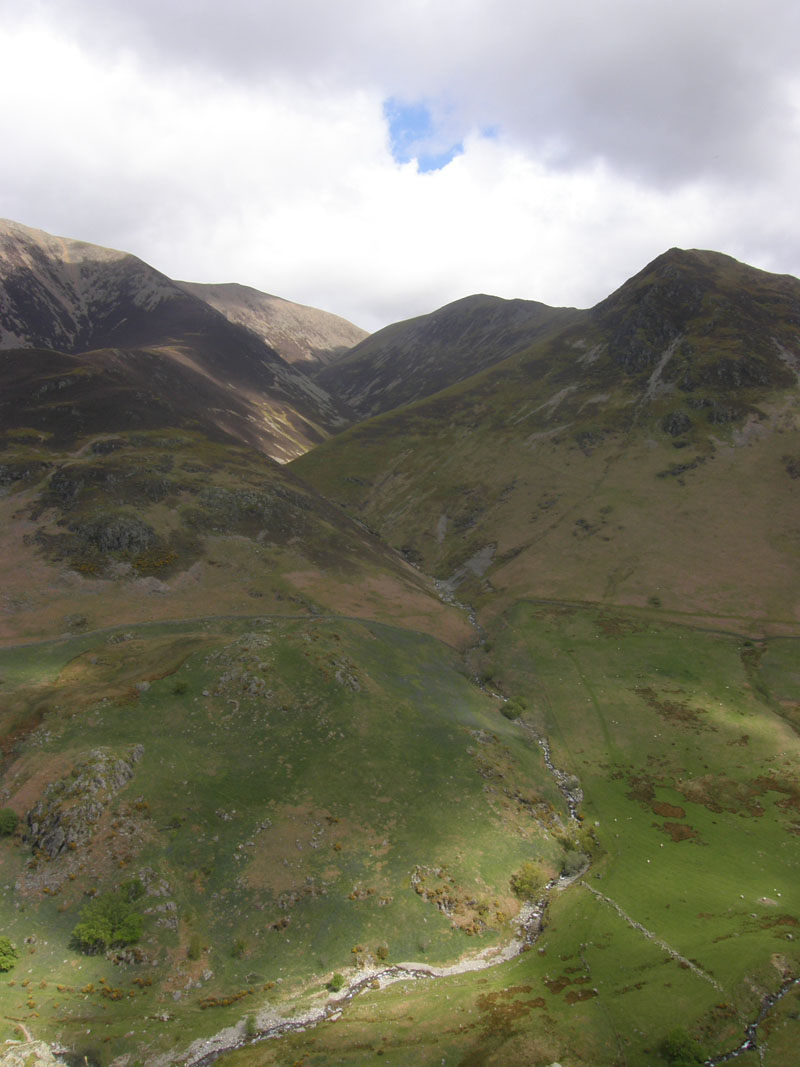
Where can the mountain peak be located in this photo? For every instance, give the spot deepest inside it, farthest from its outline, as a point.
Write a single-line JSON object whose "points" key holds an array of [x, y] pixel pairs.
{"points": [[686, 292], [300, 334], [74, 298]]}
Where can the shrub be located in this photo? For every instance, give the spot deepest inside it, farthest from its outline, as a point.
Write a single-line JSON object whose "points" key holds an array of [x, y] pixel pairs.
{"points": [[336, 983], [111, 920], [529, 881], [8, 954], [573, 863], [239, 948], [8, 821], [681, 1050]]}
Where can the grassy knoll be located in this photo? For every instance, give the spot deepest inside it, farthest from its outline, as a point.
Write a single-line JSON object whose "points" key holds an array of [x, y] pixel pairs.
{"points": [[296, 780]]}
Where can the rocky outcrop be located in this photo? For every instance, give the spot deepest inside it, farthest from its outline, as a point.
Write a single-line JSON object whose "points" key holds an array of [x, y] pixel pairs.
{"points": [[676, 423], [28, 1054], [118, 533], [71, 807]]}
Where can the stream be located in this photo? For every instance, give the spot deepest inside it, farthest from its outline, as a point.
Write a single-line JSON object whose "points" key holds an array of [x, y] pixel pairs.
{"points": [[573, 794], [750, 1043], [529, 925]]}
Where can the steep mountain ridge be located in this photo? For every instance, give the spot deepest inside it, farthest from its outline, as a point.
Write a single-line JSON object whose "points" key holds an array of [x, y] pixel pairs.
{"points": [[300, 334], [416, 358], [74, 297], [751, 315], [610, 460]]}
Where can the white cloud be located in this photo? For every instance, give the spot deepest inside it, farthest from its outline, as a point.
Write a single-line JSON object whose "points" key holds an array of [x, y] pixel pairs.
{"points": [[250, 143]]}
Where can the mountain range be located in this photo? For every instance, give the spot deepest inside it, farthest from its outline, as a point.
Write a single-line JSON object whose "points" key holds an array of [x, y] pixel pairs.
{"points": [[151, 341], [431, 695]]}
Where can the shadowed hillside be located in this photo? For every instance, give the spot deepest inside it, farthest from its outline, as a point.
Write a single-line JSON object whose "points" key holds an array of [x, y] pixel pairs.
{"points": [[413, 359], [75, 298]]}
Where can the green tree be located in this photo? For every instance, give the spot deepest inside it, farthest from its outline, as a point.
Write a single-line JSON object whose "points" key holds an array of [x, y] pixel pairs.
{"points": [[529, 881], [8, 954], [110, 920]]}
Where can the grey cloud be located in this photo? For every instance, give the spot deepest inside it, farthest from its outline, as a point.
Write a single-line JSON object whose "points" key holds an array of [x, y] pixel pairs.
{"points": [[667, 91]]}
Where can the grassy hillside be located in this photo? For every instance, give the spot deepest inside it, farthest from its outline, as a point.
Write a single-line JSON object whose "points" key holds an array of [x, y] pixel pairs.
{"points": [[288, 784], [689, 913], [419, 357], [322, 796], [647, 456], [302, 801]]}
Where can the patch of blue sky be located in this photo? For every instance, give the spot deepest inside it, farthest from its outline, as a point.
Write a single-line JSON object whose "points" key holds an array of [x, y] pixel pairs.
{"points": [[413, 134]]}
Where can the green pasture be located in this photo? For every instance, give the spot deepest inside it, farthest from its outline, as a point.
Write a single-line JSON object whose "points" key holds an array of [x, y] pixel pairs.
{"points": [[294, 775], [690, 912]]}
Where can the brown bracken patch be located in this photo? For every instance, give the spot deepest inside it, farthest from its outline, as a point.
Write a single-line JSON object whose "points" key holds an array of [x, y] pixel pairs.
{"points": [[667, 811], [676, 712], [556, 985], [719, 793], [641, 790], [779, 920], [791, 792], [499, 1015], [679, 831], [576, 995]]}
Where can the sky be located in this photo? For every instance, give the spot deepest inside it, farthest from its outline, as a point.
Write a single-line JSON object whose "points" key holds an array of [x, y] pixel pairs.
{"points": [[380, 159]]}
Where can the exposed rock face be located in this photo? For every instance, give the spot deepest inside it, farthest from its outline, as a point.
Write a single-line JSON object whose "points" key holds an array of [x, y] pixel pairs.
{"points": [[676, 423], [28, 1054], [731, 326], [118, 533], [70, 807]]}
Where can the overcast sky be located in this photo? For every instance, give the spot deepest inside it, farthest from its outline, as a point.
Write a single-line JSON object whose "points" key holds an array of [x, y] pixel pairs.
{"points": [[380, 159]]}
